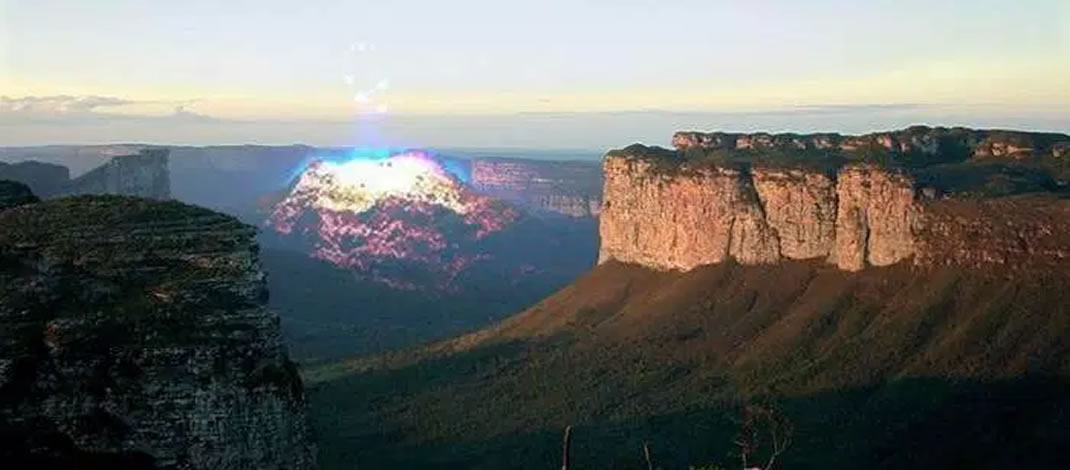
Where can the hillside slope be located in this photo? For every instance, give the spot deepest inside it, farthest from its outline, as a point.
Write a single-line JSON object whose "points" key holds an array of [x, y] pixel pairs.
{"points": [[888, 367]]}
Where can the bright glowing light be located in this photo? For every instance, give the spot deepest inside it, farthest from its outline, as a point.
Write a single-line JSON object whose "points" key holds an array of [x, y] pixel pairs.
{"points": [[356, 185], [380, 208]]}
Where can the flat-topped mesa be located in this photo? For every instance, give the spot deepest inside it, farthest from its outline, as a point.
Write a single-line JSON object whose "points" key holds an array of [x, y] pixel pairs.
{"points": [[136, 335], [948, 144], [669, 210], [571, 188], [145, 174], [679, 222]]}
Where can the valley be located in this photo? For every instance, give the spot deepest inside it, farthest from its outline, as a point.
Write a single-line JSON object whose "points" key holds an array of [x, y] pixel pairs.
{"points": [[898, 299]]}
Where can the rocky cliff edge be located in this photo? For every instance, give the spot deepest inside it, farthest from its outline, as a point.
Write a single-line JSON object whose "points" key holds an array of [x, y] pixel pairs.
{"points": [[135, 335], [669, 210]]}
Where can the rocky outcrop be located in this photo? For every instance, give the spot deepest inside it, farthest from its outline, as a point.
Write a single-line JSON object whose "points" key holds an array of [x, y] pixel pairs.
{"points": [[670, 210], [1010, 234], [875, 217], [571, 188], [14, 194], [801, 207], [44, 179], [136, 336], [938, 143], [679, 222], [144, 174]]}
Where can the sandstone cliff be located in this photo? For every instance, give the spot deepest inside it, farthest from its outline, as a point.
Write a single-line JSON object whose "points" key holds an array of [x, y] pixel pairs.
{"points": [[136, 335], [570, 188], [679, 222], [144, 174], [815, 199]]}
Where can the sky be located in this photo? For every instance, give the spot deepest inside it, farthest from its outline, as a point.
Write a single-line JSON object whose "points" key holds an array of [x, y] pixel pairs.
{"points": [[494, 73]]}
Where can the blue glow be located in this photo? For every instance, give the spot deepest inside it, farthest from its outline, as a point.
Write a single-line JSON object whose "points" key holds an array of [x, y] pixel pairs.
{"points": [[458, 167]]}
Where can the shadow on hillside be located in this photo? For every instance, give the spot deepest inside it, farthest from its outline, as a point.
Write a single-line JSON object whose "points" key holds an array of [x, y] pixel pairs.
{"points": [[328, 313], [378, 420]]}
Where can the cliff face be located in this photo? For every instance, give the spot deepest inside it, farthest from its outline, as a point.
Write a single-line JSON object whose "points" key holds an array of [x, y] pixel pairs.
{"points": [[667, 211], [694, 216], [680, 222], [569, 188], [144, 174], [801, 207], [875, 218], [136, 335]]}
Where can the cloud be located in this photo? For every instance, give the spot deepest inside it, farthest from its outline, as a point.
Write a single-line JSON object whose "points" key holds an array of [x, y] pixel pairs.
{"points": [[59, 104], [184, 114], [90, 109], [854, 108]]}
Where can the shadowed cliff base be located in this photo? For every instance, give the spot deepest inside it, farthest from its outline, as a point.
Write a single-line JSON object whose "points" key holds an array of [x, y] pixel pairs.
{"points": [[889, 368], [328, 313]]}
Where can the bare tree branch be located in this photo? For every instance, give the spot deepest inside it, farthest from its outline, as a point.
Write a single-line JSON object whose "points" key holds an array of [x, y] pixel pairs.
{"points": [[565, 447]]}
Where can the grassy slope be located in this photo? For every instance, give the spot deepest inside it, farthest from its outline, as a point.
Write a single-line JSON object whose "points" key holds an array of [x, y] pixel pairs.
{"points": [[886, 368]]}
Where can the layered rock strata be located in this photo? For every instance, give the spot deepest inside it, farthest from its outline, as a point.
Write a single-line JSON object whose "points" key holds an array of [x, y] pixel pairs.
{"points": [[571, 188], [135, 335], [664, 211], [942, 143]]}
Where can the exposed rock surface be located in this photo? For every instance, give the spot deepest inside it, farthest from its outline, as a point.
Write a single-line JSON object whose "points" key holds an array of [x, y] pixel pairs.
{"points": [[680, 222], [939, 143], [875, 218], [801, 207], [666, 210], [44, 179], [1012, 234], [571, 188], [144, 174], [136, 335], [14, 194]]}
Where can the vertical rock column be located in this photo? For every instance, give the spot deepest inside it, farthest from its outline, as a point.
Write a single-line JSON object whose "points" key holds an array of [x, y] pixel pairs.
{"points": [[681, 218], [875, 219]]}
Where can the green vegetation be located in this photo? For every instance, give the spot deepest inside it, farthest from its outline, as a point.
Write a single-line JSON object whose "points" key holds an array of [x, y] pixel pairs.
{"points": [[887, 368]]}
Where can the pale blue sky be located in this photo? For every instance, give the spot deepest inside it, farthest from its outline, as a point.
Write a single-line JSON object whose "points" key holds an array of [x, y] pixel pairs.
{"points": [[327, 60]]}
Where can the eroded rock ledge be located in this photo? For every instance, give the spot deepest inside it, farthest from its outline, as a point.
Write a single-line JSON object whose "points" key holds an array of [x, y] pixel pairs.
{"points": [[135, 335], [569, 188], [667, 212], [144, 174]]}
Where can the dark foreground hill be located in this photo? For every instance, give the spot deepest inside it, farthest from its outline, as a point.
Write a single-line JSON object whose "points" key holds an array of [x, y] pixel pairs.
{"points": [[891, 367]]}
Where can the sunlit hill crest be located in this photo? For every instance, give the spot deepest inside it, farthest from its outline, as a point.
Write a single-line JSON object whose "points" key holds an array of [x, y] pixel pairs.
{"points": [[390, 216]]}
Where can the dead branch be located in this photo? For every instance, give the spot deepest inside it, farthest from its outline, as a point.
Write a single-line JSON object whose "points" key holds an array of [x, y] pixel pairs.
{"points": [[565, 447]]}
